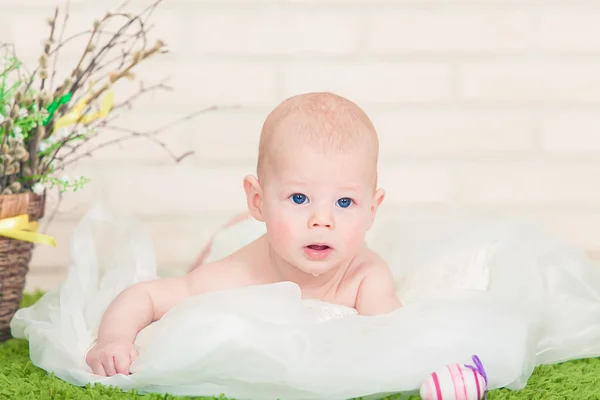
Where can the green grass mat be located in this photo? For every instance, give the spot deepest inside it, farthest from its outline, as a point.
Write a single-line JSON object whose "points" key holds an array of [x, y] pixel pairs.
{"points": [[19, 379]]}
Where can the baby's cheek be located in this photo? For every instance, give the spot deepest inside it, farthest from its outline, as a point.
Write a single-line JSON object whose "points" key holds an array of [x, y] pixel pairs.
{"points": [[280, 228], [353, 229]]}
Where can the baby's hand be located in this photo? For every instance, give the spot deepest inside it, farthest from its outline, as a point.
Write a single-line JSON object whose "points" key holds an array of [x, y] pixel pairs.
{"points": [[111, 357]]}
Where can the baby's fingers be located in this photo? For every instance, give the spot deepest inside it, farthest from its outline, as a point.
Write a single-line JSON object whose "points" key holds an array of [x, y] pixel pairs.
{"points": [[97, 368], [122, 363], [133, 354], [108, 363]]}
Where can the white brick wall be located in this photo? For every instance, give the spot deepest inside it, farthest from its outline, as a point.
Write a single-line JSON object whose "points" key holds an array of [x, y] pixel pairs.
{"points": [[482, 106]]}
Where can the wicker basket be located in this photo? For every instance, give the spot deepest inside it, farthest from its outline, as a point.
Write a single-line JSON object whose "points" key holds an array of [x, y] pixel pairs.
{"points": [[15, 256]]}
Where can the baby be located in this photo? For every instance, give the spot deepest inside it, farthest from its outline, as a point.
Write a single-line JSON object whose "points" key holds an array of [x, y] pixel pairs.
{"points": [[316, 192]]}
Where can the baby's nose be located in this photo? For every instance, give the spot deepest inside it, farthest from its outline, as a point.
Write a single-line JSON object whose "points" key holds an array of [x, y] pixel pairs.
{"points": [[321, 221]]}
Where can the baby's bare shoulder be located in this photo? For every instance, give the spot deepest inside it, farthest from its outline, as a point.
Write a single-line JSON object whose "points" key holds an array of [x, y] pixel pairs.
{"points": [[231, 272], [369, 263], [377, 290]]}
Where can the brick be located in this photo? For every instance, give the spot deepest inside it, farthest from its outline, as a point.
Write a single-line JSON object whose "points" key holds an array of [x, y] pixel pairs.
{"points": [[448, 31], [571, 133], [569, 30], [451, 133], [218, 3], [422, 184], [371, 82], [175, 190], [531, 82], [529, 183], [205, 83], [228, 136], [275, 31]]}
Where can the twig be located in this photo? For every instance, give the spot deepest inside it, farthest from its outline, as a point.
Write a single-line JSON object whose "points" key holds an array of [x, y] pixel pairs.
{"points": [[128, 102], [50, 219], [48, 45], [107, 58], [149, 135], [110, 44], [79, 34], [60, 40]]}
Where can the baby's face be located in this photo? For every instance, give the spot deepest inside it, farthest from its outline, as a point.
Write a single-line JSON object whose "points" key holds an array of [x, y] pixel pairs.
{"points": [[318, 207]]}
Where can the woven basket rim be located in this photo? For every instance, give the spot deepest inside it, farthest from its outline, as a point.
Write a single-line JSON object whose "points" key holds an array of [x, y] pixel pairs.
{"points": [[27, 202]]}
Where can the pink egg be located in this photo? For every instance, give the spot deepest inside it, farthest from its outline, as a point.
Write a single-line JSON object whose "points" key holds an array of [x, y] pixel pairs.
{"points": [[455, 382]]}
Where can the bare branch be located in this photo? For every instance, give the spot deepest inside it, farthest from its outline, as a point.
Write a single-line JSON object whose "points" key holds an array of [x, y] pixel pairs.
{"points": [[149, 135], [54, 212]]}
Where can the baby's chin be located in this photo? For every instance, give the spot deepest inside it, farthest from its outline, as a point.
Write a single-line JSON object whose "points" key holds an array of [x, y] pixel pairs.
{"points": [[317, 268]]}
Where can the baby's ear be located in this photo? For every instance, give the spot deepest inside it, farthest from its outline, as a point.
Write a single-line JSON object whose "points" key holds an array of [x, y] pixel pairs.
{"points": [[253, 197], [375, 203]]}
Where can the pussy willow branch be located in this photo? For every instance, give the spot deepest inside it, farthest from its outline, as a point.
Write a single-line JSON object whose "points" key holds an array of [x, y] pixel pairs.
{"points": [[117, 76], [122, 59], [149, 134], [142, 90], [134, 62], [48, 45], [99, 33], [140, 34], [100, 124], [77, 96], [5, 140], [60, 40], [131, 135], [81, 76], [108, 46], [95, 65]]}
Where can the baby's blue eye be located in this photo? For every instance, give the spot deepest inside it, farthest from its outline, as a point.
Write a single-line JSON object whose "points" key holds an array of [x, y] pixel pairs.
{"points": [[344, 202], [298, 198]]}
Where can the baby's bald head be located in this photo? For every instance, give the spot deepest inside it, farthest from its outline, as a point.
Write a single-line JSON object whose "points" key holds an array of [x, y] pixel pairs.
{"points": [[324, 121]]}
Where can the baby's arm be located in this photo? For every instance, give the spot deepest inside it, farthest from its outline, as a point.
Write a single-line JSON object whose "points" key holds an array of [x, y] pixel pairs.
{"points": [[132, 310], [141, 304], [377, 292]]}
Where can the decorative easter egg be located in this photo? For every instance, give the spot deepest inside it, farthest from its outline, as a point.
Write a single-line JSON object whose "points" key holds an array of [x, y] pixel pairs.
{"points": [[456, 382]]}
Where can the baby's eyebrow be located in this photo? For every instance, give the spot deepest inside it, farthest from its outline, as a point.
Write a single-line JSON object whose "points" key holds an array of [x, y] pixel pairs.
{"points": [[349, 188], [294, 183], [345, 188]]}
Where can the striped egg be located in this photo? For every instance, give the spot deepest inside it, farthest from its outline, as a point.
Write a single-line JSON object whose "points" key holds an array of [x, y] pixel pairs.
{"points": [[454, 382]]}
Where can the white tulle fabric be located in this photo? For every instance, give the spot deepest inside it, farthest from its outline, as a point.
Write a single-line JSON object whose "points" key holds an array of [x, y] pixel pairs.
{"points": [[506, 291]]}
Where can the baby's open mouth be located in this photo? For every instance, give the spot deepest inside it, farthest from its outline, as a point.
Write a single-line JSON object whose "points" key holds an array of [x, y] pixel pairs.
{"points": [[318, 247]]}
